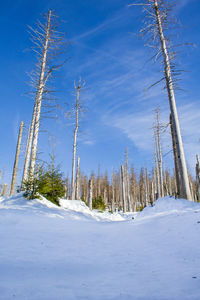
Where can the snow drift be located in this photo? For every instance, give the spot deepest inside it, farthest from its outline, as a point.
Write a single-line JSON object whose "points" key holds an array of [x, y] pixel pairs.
{"points": [[55, 253]]}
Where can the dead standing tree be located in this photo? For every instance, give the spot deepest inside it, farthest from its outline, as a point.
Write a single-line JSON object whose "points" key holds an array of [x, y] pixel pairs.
{"points": [[77, 194], [77, 109], [14, 175], [157, 24], [47, 41], [158, 155], [198, 177]]}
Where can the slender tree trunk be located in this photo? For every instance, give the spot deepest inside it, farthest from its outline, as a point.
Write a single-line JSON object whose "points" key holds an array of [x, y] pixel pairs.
{"points": [[147, 194], [157, 176], [28, 149], [158, 153], [152, 191], [123, 189], [90, 194], [77, 194], [113, 192], [39, 95], [4, 192], [185, 188], [14, 175], [160, 163], [75, 140], [198, 176], [176, 165]]}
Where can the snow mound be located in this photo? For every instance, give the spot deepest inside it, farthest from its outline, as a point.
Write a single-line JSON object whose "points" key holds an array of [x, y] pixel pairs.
{"points": [[81, 207], [168, 205], [76, 205], [72, 209], [56, 253]]}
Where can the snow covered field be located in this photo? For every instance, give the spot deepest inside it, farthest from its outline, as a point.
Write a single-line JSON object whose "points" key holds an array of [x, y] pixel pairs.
{"points": [[52, 253]]}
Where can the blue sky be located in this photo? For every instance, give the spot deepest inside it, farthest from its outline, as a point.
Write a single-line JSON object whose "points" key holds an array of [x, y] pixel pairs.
{"points": [[113, 61]]}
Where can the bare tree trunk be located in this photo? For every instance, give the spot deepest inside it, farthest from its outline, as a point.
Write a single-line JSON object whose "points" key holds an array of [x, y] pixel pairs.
{"points": [[157, 176], [152, 190], [123, 190], [185, 188], [77, 194], [127, 183], [198, 176], [25, 175], [176, 165], [113, 192], [14, 175], [147, 194], [77, 106], [158, 153], [28, 151], [90, 194], [4, 192], [38, 101]]}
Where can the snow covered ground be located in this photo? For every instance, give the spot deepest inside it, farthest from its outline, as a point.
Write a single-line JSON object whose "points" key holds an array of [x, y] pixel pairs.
{"points": [[55, 253]]}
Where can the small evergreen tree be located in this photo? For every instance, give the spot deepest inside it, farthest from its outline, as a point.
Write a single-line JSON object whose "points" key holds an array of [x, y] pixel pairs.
{"points": [[30, 187], [49, 184], [98, 203]]}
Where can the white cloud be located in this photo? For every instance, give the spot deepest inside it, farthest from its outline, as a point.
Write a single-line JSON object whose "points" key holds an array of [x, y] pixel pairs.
{"points": [[138, 128]]}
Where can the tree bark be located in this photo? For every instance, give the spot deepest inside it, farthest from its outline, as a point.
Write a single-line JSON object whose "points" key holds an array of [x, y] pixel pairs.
{"points": [[184, 184], [14, 175], [90, 194], [77, 194], [75, 140], [38, 99], [123, 189]]}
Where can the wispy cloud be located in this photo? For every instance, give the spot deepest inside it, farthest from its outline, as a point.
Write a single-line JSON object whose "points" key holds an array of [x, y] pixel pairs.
{"points": [[138, 128], [117, 76], [115, 18]]}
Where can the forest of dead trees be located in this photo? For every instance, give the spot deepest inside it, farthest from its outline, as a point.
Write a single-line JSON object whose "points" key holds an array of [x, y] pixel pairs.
{"points": [[122, 189]]}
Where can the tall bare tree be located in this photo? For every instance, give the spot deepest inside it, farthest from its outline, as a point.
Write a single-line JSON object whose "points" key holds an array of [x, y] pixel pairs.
{"points": [[47, 43], [78, 108], [90, 192], [124, 204], [14, 175], [77, 194], [198, 177], [157, 23], [158, 154]]}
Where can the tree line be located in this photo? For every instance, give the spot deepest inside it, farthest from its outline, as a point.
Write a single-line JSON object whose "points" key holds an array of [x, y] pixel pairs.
{"points": [[126, 190]]}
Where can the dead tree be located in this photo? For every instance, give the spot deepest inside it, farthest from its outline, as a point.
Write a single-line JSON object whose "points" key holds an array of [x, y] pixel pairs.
{"points": [[113, 192], [90, 184], [157, 22], [77, 194], [27, 159], [46, 40], [147, 191], [4, 192], [127, 183], [198, 176], [123, 189], [14, 175], [78, 108], [158, 155], [176, 164]]}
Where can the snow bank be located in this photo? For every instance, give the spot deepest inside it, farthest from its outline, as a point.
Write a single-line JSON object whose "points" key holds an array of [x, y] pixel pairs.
{"points": [[55, 253], [76, 205], [81, 207], [168, 205], [73, 209]]}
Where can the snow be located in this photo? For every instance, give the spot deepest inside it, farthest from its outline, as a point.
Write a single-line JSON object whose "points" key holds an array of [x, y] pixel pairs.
{"points": [[65, 253], [81, 207]]}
